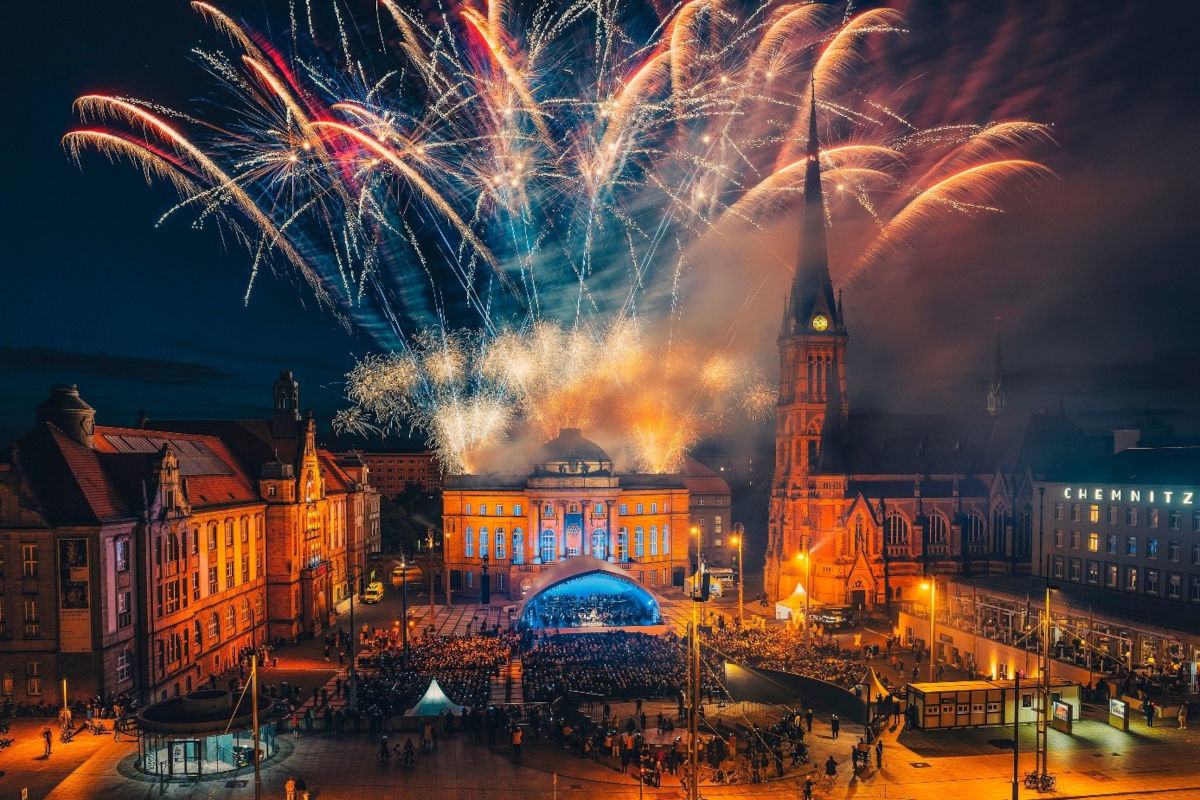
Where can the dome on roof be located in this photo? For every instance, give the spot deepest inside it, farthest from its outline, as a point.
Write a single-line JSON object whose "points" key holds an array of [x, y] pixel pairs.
{"points": [[571, 454]]}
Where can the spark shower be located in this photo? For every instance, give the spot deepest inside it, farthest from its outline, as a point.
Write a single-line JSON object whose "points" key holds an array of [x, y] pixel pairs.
{"points": [[507, 199]]}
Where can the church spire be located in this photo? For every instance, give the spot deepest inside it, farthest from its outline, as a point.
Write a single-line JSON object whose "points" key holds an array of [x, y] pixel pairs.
{"points": [[995, 396], [812, 290]]}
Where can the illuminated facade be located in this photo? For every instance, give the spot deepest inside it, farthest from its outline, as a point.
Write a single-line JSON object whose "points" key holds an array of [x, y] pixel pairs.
{"points": [[571, 503], [392, 473], [877, 501], [147, 560]]}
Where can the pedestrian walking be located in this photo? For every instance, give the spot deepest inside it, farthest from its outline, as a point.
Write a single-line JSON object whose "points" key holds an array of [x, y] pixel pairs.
{"points": [[1148, 707], [1182, 715], [835, 725], [46, 737], [808, 718], [879, 753]]}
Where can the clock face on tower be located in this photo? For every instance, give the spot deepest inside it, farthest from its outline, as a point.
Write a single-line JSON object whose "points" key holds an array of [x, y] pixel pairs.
{"points": [[820, 322]]}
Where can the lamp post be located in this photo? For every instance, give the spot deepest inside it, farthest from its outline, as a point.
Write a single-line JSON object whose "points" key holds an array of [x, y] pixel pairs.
{"points": [[353, 701], [446, 566], [429, 551], [741, 532], [1043, 728], [807, 559], [404, 601], [931, 585]]}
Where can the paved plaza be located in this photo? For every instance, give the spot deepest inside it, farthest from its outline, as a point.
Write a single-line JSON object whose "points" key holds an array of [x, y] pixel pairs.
{"points": [[1098, 761]]}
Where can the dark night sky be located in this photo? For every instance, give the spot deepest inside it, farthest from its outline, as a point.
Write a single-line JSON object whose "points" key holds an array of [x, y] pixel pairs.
{"points": [[1093, 281]]}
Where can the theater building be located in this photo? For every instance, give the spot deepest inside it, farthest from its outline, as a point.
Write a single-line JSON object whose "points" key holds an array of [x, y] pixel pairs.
{"points": [[864, 505], [146, 560], [503, 531]]}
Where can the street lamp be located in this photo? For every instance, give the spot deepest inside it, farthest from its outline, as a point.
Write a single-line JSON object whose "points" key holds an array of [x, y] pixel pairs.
{"points": [[354, 580], [741, 532], [404, 594], [807, 559], [931, 585], [1043, 731]]}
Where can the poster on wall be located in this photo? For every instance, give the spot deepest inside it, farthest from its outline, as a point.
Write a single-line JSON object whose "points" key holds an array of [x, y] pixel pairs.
{"points": [[74, 597]]}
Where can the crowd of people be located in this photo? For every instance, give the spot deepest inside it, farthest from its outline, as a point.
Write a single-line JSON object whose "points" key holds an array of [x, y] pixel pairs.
{"points": [[462, 665], [784, 649], [617, 664], [595, 610]]}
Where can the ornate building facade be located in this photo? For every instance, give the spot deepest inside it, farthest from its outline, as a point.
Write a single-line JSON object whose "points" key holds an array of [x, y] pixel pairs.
{"points": [[864, 506], [147, 560], [502, 531]]}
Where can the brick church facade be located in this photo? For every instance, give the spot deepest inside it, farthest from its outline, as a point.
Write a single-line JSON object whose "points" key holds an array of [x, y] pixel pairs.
{"points": [[876, 502]]}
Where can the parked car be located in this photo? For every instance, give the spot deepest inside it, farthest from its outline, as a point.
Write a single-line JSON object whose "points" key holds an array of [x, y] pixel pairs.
{"points": [[374, 593]]}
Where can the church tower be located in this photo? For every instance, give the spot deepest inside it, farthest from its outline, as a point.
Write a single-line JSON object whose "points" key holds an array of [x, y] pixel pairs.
{"points": [[811, 411]]}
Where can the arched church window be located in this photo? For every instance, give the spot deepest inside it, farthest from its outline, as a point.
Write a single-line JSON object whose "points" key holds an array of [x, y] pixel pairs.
{"points": [[938, 534], [860, 537], [998, 532], [1025, 532], [895, 532], [976, 534]]}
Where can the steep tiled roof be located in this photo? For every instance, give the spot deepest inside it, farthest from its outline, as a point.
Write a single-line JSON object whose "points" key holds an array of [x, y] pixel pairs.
{"points": [[69, 480], [702, 480]]}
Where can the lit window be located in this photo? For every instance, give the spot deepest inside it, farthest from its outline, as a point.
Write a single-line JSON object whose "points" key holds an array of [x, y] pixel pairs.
{"points": [[1174, 585], [1152, 548], [1093, 513], [1093, 542]]}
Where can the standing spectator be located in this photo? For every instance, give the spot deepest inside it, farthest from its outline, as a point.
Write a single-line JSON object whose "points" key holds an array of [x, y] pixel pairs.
{"points": [[46, 737], [1183, 715], [879, 753], [289, 789], [301, 789], [808, 718], [516, 743], [835, 725], [1148, 707]]}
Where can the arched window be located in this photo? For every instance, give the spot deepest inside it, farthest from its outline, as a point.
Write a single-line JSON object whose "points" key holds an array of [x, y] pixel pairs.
{"points": [[639, 542], [214, 626], [469, 542], [666, 548], [231, 619], [860, 538], [998, 532], [500, 548], [653, 540], [547, 546], [938, 534], [622, 544], [895, 533], [975, 534], [518, 556], [246, 610], [1024, 533], [483, 543], [197, 633], [599, 543]]}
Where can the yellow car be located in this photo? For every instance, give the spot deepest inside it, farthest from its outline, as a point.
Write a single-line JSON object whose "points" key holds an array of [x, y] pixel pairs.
{"points": [[374, 593]]}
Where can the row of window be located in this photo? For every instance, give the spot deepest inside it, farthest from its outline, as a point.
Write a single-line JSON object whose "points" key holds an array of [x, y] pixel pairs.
{"points": [[176, 646], [1127, 545], [598, 510], [1143, 580], [492, 546], [1152, 516], [30, 618]]}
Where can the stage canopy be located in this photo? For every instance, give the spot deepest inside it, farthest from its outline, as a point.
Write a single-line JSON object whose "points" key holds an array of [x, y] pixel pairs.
{"points": [[433, 702], [585, 592]]}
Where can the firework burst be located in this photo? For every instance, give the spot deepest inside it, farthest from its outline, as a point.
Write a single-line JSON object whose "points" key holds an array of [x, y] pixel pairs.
{"points": [[535, 173]]}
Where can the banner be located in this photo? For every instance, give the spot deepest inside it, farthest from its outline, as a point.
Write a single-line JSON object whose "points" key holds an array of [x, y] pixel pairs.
{"points": [[74, 597]]}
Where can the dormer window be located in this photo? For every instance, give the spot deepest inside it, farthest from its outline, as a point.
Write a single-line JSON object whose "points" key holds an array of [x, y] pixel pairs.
{"points": [[271, 490]]}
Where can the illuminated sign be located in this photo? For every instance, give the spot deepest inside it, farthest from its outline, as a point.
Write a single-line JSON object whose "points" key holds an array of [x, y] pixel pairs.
{"points": [[1062, 711], [1100, 494], [1117, 708]]}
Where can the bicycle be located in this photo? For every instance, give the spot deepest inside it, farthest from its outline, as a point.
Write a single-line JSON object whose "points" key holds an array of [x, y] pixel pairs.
{"points": [[1041, 782]]}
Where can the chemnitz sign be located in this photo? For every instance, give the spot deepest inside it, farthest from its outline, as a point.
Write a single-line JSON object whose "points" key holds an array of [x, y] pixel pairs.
{"points": [[1099, 494]]}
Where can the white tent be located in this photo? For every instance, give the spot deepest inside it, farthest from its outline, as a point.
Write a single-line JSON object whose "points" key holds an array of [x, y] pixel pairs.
{"points": [[787, 606], [714, 586], [433, 702]]}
